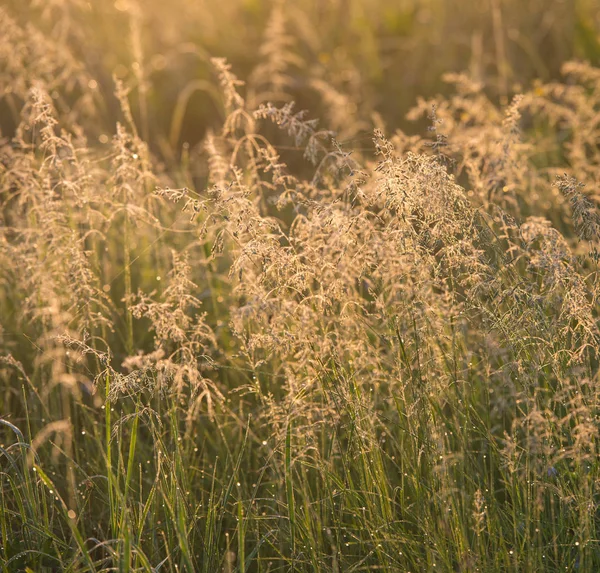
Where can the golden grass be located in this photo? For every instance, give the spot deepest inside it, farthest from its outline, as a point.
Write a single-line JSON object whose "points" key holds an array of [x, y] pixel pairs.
{"points": [[237, 338]]}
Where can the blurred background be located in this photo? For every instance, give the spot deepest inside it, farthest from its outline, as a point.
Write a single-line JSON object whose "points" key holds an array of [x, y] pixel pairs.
{"points": [[368, 60]]}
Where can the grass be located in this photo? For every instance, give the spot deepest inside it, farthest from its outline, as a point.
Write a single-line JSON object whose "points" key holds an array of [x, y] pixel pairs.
{"points": [[236, 338]]}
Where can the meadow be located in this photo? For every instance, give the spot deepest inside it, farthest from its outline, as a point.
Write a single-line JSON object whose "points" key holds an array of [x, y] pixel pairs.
{"points": [[302, 286]]}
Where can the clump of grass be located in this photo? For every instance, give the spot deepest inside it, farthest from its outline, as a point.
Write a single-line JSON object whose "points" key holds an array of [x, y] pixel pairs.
{"points": [[380, 359]]}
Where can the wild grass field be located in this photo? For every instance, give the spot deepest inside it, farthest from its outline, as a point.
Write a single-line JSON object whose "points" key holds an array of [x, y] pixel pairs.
{"points": [[303, 286]]}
